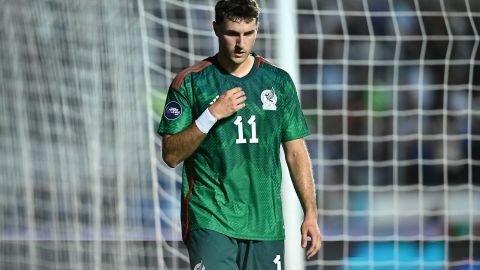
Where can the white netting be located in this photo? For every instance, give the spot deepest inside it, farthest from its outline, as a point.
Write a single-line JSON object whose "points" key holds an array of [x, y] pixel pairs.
{"points": [[391, 93], [390, 89], [75, 181]]}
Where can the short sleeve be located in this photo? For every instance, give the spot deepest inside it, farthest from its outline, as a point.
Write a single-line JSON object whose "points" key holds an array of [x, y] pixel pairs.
{"points": [[294, 125], [177, 113]]}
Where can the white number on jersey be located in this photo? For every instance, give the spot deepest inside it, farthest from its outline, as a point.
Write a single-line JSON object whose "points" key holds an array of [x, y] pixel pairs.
{"points": [[241, 139]]}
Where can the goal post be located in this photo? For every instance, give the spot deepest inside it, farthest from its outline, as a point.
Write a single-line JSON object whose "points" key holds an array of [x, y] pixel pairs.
{"points": [[286, 46]]}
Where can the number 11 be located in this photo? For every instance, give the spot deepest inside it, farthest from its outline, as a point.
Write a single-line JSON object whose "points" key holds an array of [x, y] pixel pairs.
{"points": [[239, 124]]}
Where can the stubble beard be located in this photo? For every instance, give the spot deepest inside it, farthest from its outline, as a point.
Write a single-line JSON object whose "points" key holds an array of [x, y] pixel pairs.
{"points": [[239, 60]]}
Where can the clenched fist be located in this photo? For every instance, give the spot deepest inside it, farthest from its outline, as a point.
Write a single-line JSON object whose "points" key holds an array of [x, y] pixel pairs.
{"points": [[228, 103]]}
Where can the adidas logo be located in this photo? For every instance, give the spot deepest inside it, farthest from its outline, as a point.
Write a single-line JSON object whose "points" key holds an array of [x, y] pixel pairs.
{"points": [[215, 99]]}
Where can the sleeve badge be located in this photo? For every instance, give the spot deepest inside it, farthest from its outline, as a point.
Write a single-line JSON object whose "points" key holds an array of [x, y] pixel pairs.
{"points": [[172, 111]]}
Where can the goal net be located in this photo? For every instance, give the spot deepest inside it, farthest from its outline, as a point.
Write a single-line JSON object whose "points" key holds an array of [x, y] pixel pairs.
{"points": [[75, 155], [390, 92], [390, 89]]}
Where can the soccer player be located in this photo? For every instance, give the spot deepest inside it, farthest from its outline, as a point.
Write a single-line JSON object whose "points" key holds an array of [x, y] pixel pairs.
{"points": [[227, 117]]}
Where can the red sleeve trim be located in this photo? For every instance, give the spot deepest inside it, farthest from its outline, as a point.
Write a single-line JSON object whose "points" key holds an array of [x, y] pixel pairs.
{"points": [[262, 60], [177, 82]]}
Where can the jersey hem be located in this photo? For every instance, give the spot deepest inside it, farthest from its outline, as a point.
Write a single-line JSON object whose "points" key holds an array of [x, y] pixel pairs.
{"points": [[239, 235]]}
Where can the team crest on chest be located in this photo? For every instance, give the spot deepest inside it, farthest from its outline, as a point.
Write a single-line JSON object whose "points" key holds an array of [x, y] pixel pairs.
{"points": [[269, 99]]}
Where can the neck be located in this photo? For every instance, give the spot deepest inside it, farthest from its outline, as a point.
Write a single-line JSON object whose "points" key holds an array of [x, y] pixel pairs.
{"points": [[237, 70]]}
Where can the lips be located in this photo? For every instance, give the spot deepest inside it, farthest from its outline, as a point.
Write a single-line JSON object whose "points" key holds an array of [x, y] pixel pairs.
{"points": [[239, 54]]}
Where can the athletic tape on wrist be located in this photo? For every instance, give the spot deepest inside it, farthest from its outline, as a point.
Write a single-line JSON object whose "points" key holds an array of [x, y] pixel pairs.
{"points": [[206, 121]]}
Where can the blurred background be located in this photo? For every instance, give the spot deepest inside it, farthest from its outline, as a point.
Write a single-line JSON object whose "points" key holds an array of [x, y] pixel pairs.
{"points": [[390, 89]]}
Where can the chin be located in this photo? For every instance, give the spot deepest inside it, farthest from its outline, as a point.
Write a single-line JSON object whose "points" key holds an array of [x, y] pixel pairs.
{"points": [[240, 60]]}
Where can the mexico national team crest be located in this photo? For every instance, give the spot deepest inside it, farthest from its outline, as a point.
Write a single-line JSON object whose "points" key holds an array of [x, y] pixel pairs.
{"points": [[269, 99], [172, 111]]}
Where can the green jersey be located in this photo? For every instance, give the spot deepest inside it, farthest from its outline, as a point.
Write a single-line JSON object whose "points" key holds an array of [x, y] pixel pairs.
{"points": [[231, 183]]}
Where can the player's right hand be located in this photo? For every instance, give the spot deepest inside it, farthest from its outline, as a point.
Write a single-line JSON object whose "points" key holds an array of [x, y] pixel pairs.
{"points": [[228, 103]]}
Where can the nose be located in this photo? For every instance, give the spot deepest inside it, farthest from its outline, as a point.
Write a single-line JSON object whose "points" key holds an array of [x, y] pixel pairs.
{"points": [[241, 41]]}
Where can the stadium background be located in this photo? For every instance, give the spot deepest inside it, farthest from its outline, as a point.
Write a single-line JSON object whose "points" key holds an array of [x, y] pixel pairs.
{"points": [[390, 89]]}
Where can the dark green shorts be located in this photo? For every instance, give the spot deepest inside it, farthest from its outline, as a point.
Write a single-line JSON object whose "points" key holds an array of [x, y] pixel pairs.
{"points": [[209, 250]]}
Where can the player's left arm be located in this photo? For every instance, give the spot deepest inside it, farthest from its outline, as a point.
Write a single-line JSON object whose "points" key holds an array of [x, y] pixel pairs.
{"points": [[300, 167]]}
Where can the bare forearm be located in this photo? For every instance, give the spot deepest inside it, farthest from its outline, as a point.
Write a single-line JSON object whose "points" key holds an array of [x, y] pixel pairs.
{"points": [[178, 147], [300, 168]]}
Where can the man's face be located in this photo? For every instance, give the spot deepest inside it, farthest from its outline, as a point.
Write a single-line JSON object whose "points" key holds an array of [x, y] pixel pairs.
{"points": [[236, 39]]}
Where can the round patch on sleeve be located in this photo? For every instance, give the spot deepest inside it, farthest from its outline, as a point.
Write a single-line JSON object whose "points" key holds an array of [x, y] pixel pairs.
{"points": [[173, 110]]}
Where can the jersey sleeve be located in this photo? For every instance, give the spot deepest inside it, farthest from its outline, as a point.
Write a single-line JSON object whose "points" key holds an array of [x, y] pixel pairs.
{"points": [[177, 113], [294, 125]]}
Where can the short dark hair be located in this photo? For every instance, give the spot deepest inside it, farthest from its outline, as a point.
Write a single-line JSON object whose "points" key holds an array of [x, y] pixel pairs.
{"points": [[236, 10]]}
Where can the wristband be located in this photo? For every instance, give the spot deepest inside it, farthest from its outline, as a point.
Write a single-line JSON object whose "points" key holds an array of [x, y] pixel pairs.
{"points": [[206, 121]]}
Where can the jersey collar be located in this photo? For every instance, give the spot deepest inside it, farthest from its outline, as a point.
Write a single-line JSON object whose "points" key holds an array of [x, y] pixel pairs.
{"points": [[226, 73]]}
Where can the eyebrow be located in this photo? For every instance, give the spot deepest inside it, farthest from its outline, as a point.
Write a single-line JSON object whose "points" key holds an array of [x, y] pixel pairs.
{"points": [[238, 33]]}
